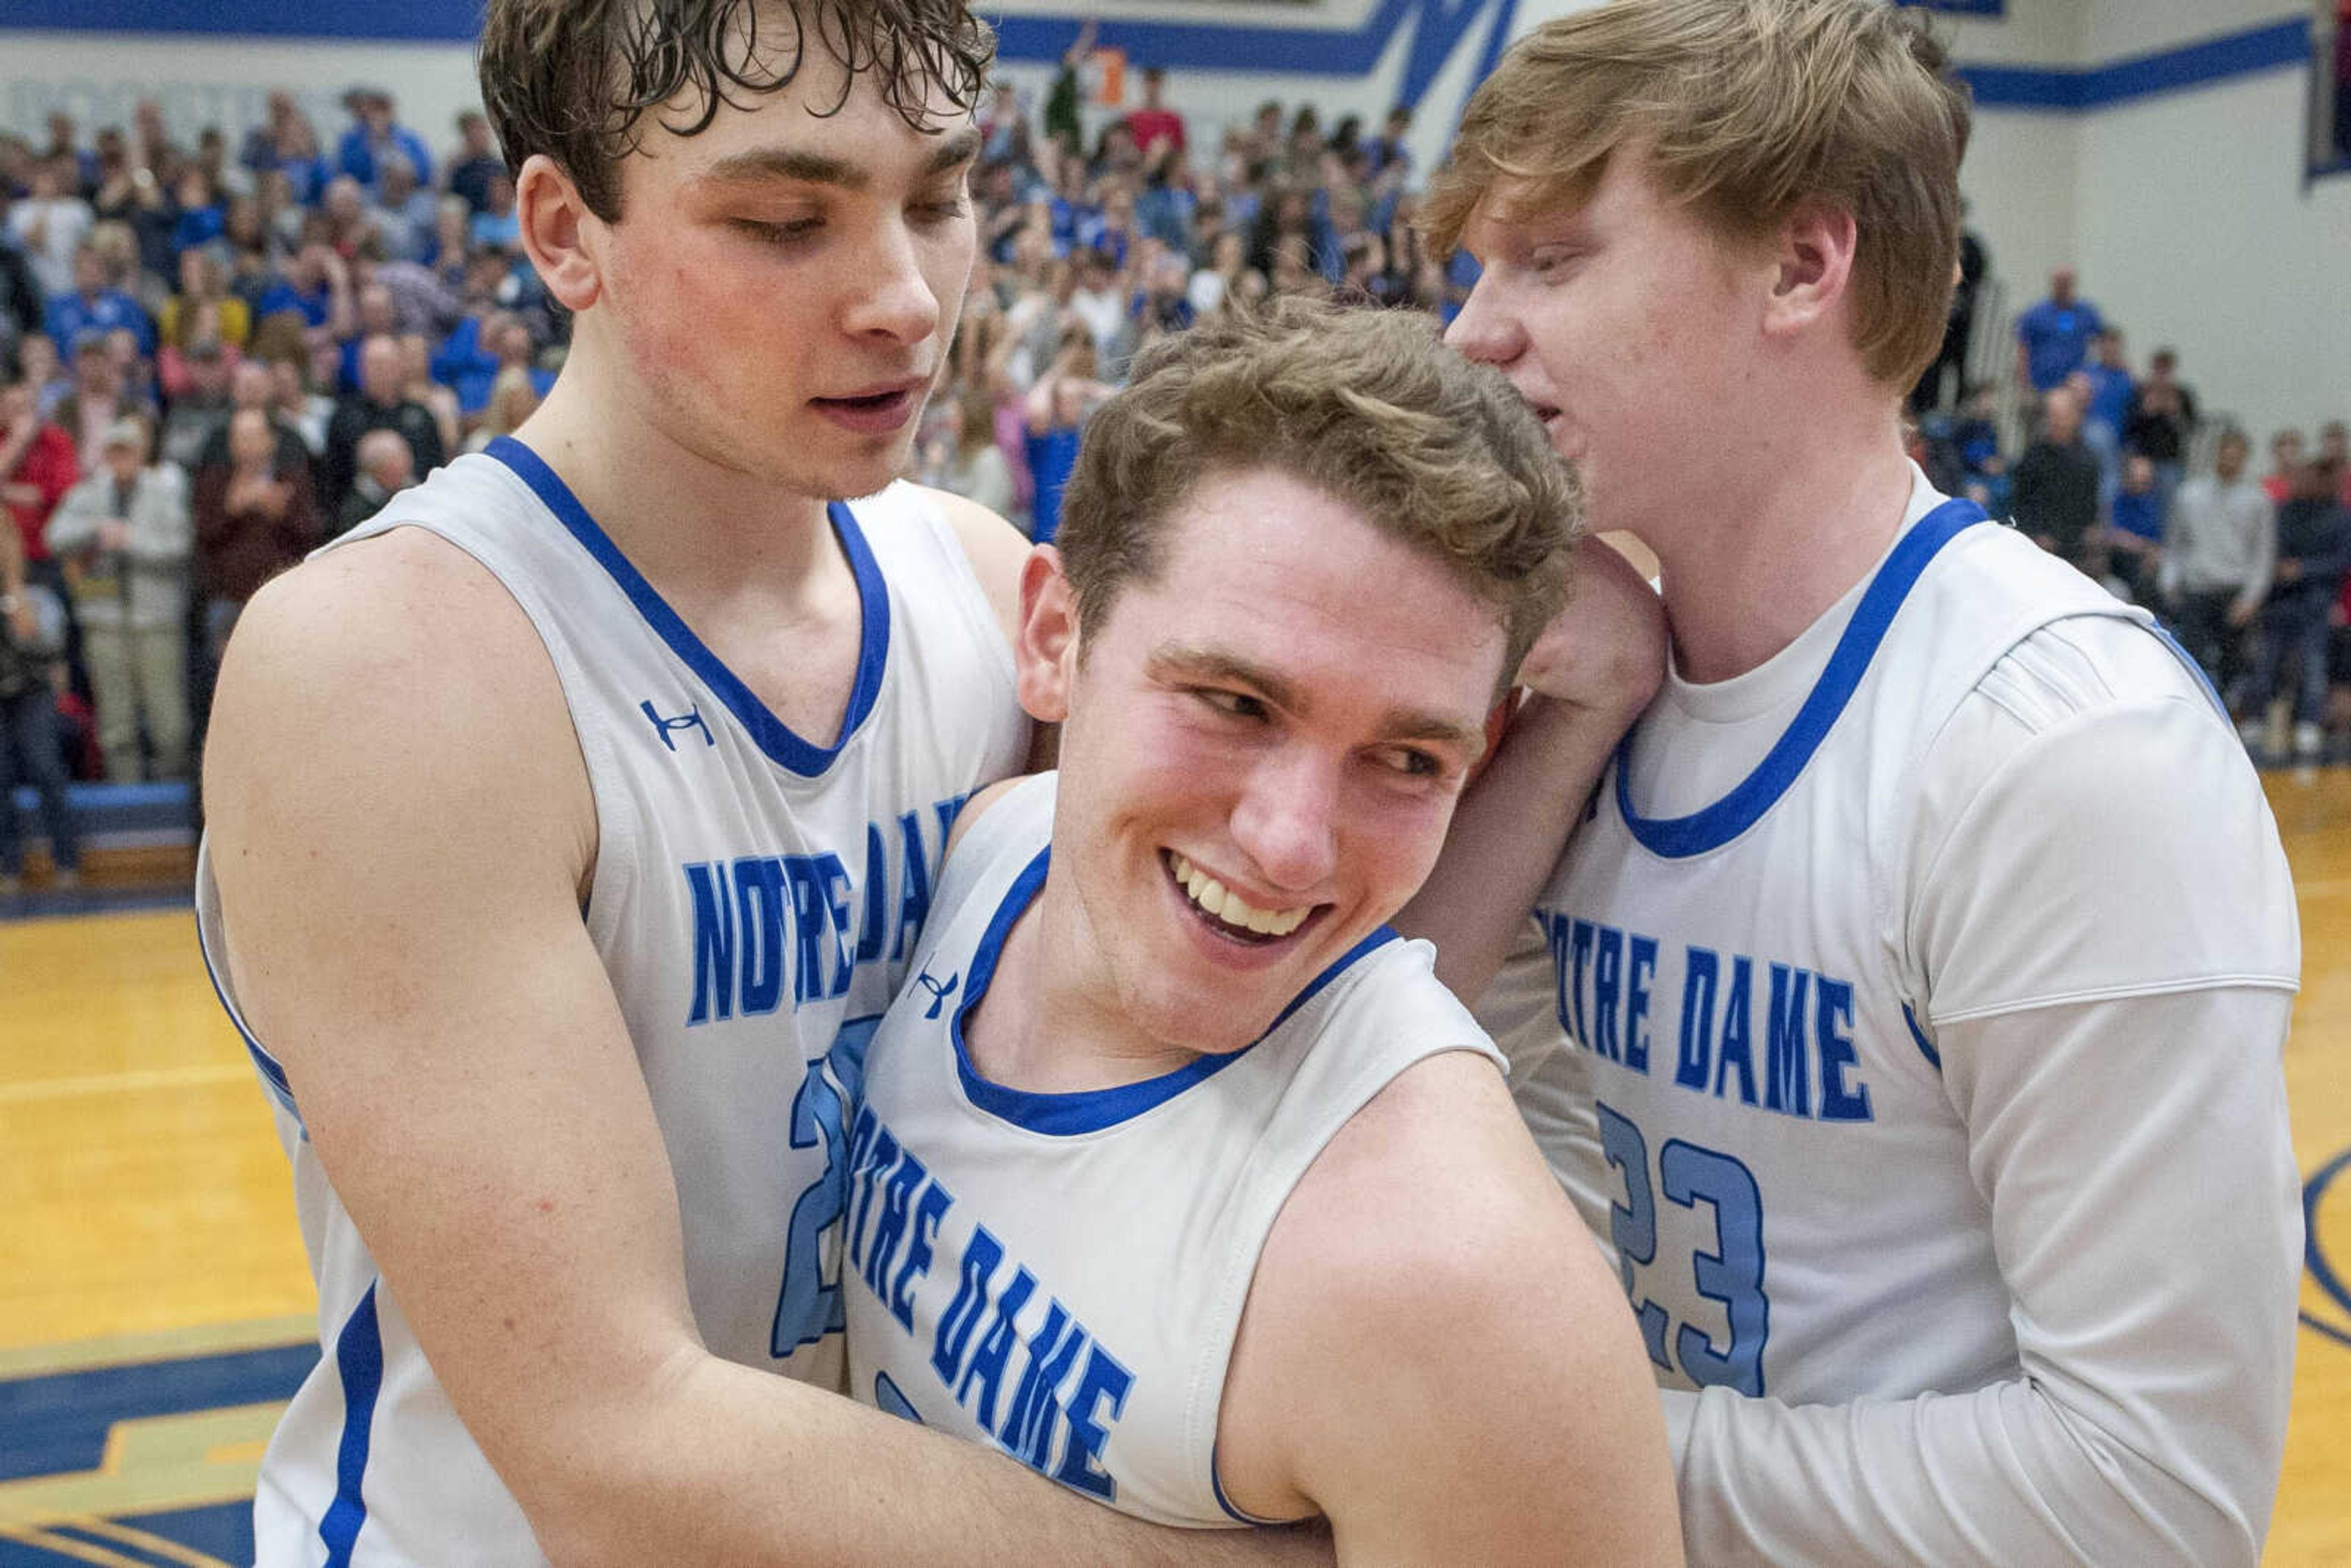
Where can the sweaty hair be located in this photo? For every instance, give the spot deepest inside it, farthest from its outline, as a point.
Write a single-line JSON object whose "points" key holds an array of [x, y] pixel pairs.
{"points": [[575, 78], [1364, 405], [1741, 110]]}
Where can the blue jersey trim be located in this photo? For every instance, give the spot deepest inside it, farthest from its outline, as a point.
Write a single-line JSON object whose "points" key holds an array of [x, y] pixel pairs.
{"points": [[359, 1360], [1083, 1110], [1702, 832], [1918, 1037], [1217, 1485], [2203, 681], [273, 1075], [772, 736]]}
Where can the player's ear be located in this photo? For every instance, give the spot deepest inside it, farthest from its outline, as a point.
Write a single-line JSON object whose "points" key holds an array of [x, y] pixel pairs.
{"points": [[1046, 656], [558, 232], [1815, 252]]}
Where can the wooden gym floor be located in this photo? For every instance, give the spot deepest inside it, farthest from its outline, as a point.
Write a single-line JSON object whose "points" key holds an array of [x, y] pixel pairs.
{"points": [[155, 1308]]}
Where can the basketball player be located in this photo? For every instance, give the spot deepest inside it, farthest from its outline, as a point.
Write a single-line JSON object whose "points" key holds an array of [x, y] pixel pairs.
{"points": [[1176, 1175], [1914, 992], [568, 818]]}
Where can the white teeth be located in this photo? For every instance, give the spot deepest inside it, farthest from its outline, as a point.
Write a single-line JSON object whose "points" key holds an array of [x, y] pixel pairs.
{"points": [[1229, 906]]}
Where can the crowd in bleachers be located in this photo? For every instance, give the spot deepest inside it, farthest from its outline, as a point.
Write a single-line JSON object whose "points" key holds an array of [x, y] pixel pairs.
{"points": [[220, 351]]}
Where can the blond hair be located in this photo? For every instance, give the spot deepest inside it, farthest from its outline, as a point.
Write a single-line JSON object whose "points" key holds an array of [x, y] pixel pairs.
{"points": [[1741, 110], [1365, 405]]}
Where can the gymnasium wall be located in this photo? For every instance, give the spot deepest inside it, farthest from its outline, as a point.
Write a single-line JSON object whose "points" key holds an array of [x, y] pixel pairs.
{"points": [[2156, 144]]}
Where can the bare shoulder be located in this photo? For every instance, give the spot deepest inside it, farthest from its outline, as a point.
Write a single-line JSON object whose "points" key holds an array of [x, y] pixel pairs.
{"points": [[1508, 1365], [390, 741], [995, 549]]}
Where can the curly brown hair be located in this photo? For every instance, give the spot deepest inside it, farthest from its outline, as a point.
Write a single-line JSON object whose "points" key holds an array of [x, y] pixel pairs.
{"points": [[576, 78], [1366, 405]]}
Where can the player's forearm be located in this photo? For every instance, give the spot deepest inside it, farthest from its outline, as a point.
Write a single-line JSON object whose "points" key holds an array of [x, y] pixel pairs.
{"points": [[2000, 1475], [736, 1466], [1507, 834]]}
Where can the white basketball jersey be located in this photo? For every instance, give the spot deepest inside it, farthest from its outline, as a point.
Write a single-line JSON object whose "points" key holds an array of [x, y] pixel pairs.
{"points": [[1749, 1102], [1062, 1275], [755, 899]]}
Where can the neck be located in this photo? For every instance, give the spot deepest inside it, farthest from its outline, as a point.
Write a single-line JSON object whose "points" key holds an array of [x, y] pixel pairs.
{"points": [[1051, 1023], [683, 519], [1803, 514]]}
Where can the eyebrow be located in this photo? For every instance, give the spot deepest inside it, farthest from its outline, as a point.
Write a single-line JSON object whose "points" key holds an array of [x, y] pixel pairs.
{"points": [[762, 163], [1196, 662]]}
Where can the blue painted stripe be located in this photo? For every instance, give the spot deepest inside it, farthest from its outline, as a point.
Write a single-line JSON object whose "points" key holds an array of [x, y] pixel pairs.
{"points": [[2314, 1256], [1083, 1110], [359, 1359], [2207, 62], [100, 809], [2328, 1330], [1918, 1037], [1679, 838], [412, 20], [771, 735], [57, 1423]]}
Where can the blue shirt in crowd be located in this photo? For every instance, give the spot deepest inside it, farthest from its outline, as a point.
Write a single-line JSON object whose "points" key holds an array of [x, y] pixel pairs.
{"points": [[2056, 340], [69, 316]]}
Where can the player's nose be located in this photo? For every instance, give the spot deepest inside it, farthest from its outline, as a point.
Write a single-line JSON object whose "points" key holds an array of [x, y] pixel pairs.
{"points": [[893, 297], [1286, 820], [1484, 330]]}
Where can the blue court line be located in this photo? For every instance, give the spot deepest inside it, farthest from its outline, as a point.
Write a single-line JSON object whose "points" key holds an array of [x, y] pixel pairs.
{"points": [[56, 1424], [2314, 1256]]}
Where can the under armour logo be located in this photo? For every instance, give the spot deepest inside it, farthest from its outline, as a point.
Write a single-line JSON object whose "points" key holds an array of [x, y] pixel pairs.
{"points": [[939, 993], [690, 719]]}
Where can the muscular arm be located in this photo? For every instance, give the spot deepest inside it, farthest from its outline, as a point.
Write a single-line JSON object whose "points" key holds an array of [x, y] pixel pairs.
{"points": [[2127, 1130], [1434, 1358], [1592, 672], [401, 830]]}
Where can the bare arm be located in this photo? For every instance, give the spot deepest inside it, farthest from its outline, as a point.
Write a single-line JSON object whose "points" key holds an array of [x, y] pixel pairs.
{"points": [[1507, 1415], [401, 829], [1592, 672]]}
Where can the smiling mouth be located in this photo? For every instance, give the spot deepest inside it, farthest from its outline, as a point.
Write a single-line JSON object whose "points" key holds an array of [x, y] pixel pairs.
{"points": [[1227, 913]]}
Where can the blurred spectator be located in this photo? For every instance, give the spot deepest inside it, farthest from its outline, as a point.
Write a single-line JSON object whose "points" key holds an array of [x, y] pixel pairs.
{"points": [[1153, 124], [2109, 388], [204, 310], [95, 402], [38, 466], [968, 461], [255, 516], [344, 222], [2135, 539], [89, 307], [314, 284], [497, 227], [381, 403], [2284, 480], [1388, 153], [200, 214], [39, 364], [81, 167], [298, 407], [404, 212], [23, 303], [375, 133], [2334, 450], [50, 224], [418, 385], [2162, 422], [1948, 375], [2219, 549], [513, 398], [2053, 494], [475, 162], [386, 467], [1055, 412], [2052, 337], [126, 539], [2314, 554], [199, 405], [285, 144], [31, 749]]}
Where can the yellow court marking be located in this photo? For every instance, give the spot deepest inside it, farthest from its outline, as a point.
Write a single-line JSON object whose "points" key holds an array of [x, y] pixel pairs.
{"points": [[169, 1345], [199, 1460], [145, 1082]]}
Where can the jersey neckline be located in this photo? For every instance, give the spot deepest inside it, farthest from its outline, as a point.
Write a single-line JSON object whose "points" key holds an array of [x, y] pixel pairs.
{"points": [[1070, 1113], [771, 735], [1711, 827]]}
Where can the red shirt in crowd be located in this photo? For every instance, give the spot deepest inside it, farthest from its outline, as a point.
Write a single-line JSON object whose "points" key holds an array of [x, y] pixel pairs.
{"points": [[1150, 127], [50, 467]]}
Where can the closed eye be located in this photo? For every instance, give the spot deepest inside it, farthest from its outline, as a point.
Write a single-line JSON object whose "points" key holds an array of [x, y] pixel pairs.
{"points": [[1233, 705]]}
